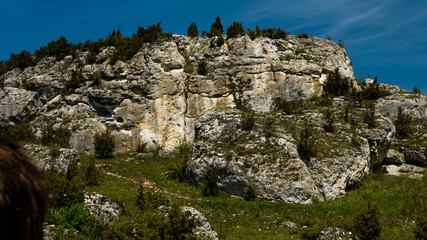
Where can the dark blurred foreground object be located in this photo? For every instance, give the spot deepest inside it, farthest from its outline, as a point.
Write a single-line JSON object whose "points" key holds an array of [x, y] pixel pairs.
{"points": [[24, 194]]}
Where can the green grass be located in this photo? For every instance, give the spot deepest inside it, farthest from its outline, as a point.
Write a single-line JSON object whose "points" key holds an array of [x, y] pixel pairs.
{"points": [[398, 199]]}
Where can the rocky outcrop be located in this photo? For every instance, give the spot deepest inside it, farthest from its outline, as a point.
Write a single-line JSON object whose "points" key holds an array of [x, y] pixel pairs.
{"points": [[17, 105], [414, 104], [102, 208], [269, 160], [151, 99], [44, 158], [404, 169], [335, 233], [204, 229], [416, 157]]}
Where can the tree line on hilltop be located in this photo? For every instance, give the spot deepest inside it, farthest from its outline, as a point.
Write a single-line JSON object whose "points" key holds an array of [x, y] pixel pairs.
{"points": [[126, 47]]}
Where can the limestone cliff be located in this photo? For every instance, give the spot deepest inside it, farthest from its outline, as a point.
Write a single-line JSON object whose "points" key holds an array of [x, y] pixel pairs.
{"points": [[159, 98], [152, 99]]}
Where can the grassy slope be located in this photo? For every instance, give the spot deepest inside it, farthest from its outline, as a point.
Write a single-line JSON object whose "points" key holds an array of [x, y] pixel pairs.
{"points": [[398, 199]]}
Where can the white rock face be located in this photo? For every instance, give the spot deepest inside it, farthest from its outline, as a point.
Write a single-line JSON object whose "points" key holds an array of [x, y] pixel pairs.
{"points": [[150, 98]]}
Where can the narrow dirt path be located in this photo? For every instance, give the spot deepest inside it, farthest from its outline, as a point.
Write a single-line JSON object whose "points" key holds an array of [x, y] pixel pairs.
{"points": [[146, 183]]}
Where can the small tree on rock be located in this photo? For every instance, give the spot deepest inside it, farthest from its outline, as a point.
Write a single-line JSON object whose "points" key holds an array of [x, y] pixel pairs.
{"points": [[403, 123], [336, 85], [235, 30], [217, 28], [192, 30], [202, 67]]}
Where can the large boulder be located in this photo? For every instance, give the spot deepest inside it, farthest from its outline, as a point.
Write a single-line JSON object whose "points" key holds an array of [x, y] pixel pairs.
{"points": [[102, 208], [17, 105]]}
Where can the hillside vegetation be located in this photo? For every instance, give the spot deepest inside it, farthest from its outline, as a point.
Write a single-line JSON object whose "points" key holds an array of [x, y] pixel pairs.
{"points": [[256, 134]]}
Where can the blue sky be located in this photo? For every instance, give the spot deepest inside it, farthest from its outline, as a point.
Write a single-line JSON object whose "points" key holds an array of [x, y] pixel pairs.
{"points": [[384, 38]]}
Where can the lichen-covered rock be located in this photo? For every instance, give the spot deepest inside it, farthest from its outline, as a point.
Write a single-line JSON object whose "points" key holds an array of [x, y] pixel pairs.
{"points": [[43, 158], [17, 105], [102, 208], [204, 230], [335, 233]]}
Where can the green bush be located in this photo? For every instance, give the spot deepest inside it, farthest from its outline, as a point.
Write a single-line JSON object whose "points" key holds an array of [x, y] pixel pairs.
{"points": [[148, 201], [289, 106], [403, 123], [152, 33], [325, 100], [22, 132], [72, 218], [91, 172], [302, 35], [217, 28], [54, 151], [268, 126], [59, 49], [235, 30], [104, 144], [420, 230], [192, 30], [178, 224], [21, 60], [366, 223], [416, 90], [210, 184], [202, 67], [141, 147], [182, 155], [189, 67], [376, 165], [336, 85], [329, 121], [305, 146], [94, 78], [2, 78], [341, 43], [346, 113], [273, 33], [373, 91], [220, 41], [369, 115], [60, 136], [248, 120], [67, 187], [300, 50], [250, 193], [74, 82], [91, 58]]}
